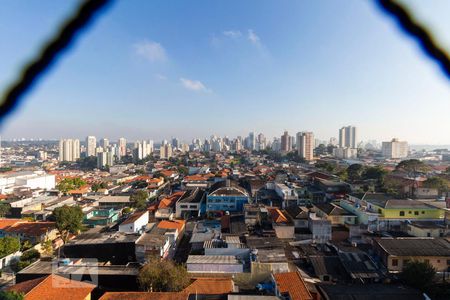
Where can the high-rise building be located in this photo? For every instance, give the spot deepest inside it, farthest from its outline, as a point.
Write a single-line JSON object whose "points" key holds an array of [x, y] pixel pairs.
{"points": [[122, 143], [261, 142], [104, 143], [176, 143], [91, 144], [348, 137], [395, 149], [305, 145], [286, 142], [251, 141], [165, 151], [104, 159], [69, 149]]}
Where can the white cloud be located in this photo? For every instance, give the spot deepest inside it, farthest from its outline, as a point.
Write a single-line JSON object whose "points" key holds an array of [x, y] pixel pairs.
{"points": [[194, 85], [151, 51], [161, 76], [253, 37], [232, 34]]}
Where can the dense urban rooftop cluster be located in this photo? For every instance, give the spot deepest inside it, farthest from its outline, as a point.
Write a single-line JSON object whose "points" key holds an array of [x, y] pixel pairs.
{"points": [[243, 218]]}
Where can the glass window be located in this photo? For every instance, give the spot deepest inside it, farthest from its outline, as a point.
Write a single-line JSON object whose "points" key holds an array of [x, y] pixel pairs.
{"points": [[395, 262], [402, 213]]}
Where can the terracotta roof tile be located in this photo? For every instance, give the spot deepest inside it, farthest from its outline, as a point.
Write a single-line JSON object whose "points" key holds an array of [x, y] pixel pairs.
{"points": [[5, 223], [210, 286], [292, 283], [144, 296], [31, 228], [172, 224], [54, 287]]}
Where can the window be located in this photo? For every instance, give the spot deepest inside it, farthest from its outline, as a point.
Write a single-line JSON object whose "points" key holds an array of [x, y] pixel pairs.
{"points": [[395, 262], [402, 213], [423, 212], [416, 213], [409, 212]]}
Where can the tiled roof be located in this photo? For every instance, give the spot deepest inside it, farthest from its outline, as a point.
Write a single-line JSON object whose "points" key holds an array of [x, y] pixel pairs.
{"points": [[144, 296], [415, 246], [170, 200], [53, 287], [5, 223], [134, 217], [210, 286], [172, 224], [292, 283], [277, 215], [31, 228]]}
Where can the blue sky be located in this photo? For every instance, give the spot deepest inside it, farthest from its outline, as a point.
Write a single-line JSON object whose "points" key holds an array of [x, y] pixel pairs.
{"points": [[157, 69]]}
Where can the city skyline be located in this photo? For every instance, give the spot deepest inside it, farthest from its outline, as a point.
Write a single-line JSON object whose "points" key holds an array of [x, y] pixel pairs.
{"points": [[164, 73]]}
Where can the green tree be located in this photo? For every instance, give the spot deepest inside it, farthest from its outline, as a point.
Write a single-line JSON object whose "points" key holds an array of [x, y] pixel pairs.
{"points": [[324, 165], [418, 274], [30, 255], [355, 172], [47, 247], [26, 244], [163, 276], [11, 295], [4, 209], [87, 163], [139, 199], [376, 173], [8, 245], [438, 183], [68, 184], [412, 166], [69, 220]]}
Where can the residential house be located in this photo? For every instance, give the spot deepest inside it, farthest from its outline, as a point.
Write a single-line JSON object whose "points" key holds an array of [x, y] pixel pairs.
{"points": [[135, 223], [299, 215], [176, 225], [382, 212], [335, 214], [166, 207], [100, 217], [281, 223], [53, 287], [291, 286], [191, 204], [34, 232], [427, 229], [395, 253], [320, 228]]}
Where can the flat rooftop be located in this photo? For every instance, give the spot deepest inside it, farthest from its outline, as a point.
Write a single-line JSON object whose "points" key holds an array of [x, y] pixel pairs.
{"points": [[213, 259], [49, 267], [104, 238]]}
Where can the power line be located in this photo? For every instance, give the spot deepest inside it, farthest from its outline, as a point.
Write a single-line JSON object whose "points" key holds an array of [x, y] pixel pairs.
{"points": [[410, 26], [30, 74]]}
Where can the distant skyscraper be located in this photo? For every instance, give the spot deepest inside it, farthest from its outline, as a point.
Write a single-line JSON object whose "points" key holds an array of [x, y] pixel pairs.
{"points": [[91, 144], [165, 151], [261, 142], [305, 145], [286, 142], [104, 143], [395, 149], [104, 159], [69, 150], [251, 141], [175, 143], [122, 143], [348, 137]]}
